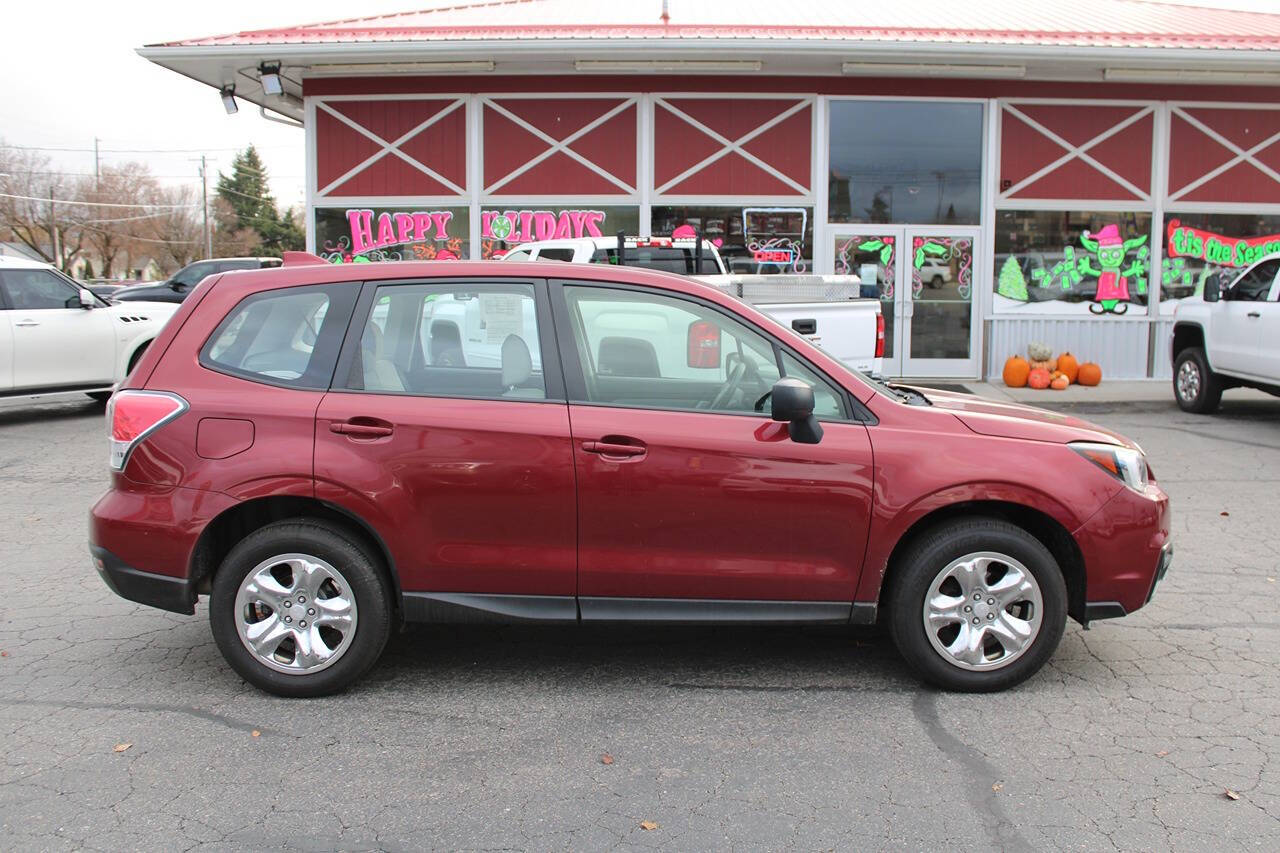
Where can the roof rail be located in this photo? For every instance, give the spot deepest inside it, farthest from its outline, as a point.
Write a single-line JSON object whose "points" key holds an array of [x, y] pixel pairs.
{"points": [[302, 259]]}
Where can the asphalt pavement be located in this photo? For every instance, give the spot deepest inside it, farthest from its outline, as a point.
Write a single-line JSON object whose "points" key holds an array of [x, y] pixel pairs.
{"points": [[123, 729]]}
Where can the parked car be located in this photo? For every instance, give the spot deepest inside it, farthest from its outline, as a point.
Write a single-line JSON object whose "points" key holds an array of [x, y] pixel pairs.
{"points": [[1228, 338], [56, 336], [293, 448], [830, 310], [185, 280]]}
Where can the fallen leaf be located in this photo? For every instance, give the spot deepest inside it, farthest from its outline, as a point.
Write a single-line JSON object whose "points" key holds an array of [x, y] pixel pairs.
{"points": [[606, 759], [1224, 513], [4, 654], [647, 825], [121, 747], [998, 786], [1269, 580], [255, 733], [1230, 794], [1162, 753]]}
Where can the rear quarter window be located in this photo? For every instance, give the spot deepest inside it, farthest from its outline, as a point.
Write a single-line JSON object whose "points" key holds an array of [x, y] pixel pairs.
{"points": [[288, 337]]}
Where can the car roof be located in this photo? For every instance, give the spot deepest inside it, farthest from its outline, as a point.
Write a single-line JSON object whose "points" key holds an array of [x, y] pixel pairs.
{"points": [[23, 263]]}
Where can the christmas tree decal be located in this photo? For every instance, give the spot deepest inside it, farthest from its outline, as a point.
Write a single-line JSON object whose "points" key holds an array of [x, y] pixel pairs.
{"points": [[1012, 284]]}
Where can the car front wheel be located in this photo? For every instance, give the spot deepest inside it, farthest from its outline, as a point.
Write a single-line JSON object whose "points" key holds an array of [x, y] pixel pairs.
{"points": [[300, 609], [1195, 386], [977, 605]]}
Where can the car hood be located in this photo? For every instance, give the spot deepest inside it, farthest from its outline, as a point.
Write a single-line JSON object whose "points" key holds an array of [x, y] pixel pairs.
{"points": [[153, 309], [1016, 420]]}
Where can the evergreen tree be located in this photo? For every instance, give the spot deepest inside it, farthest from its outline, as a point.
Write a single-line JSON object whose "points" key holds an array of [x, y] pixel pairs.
{"points": [[1012, 284], [249, 206]]}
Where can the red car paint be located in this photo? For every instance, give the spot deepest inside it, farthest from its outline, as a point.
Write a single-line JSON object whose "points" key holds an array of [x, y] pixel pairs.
{"points": [[502, 497]]}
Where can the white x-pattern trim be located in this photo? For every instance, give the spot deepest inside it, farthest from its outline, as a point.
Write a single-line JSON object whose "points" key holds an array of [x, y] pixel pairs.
{"points": [[391, 147], [1077, 152], [1242, 155], [561, 145], [732, 146]]}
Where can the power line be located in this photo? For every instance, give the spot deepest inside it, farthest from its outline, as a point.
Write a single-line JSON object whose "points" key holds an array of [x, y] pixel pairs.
{"points": [[123, 236], [132, 150], [92, 203]]}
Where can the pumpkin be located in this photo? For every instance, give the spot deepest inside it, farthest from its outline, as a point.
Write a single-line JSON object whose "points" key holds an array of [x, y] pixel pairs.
{"points": [[1089, 374], [1047, 366], [1067, 364], [1060, 382], [1039, 351], [1038, 378], [1015, 371]]}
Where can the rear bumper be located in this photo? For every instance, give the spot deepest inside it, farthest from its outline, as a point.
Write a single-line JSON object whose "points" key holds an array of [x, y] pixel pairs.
{"points": [[162, 591]]}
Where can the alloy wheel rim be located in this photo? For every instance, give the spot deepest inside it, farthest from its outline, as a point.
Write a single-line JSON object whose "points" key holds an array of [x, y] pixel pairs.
{"points": [[1188, 380], [983, 611], [296, 614]]}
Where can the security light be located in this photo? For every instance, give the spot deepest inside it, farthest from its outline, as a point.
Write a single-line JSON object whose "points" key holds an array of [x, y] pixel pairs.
{"points": [[269, 73], [229, 99]]}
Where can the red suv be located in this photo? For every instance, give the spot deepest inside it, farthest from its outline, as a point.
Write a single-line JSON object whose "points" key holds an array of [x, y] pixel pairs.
{"points": [[328, 452]]}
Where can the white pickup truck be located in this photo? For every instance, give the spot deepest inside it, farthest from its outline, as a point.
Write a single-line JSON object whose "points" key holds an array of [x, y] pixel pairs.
{"points": [[830, 310], [1230, 337]]}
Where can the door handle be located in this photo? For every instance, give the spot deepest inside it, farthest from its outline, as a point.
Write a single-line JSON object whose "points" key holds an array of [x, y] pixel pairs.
{"points": [[1254, 314], [25, 322], [361, 430], [611, 448]]}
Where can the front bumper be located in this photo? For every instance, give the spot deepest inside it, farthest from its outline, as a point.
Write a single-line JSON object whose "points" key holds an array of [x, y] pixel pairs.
{"points": [[167, 593], [1127, 550], [1114, 609]]}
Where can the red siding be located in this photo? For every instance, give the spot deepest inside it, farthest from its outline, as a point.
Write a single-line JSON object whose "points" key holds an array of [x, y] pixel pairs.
{"points": [[1194, 154], [680, 146], [611, 146], [1025, 150], [440, 147]]}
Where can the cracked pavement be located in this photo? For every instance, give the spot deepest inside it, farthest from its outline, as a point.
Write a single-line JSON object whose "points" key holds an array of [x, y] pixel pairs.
{"points": [[728, 738]]}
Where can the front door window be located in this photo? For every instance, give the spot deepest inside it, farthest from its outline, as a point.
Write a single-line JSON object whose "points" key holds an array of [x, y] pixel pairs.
{"points": [[941, 291]]}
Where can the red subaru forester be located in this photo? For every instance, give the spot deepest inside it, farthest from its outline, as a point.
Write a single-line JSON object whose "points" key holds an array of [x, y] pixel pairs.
{"points": [[328, 452]]}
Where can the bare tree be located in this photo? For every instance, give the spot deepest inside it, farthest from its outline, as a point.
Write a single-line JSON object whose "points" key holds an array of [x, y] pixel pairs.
{"points": [[176, 231], [111, 232], [38, 207]]}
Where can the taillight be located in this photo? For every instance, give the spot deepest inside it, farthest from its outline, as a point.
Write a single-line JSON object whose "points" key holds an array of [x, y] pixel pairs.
{"points": [[133, 415], [879, 336]]}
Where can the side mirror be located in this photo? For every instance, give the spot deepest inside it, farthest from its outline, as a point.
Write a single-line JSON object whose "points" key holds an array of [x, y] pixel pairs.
{"points": [[704, 344], [792, 402], [1213, 287], [177, 286], [82, 299]]}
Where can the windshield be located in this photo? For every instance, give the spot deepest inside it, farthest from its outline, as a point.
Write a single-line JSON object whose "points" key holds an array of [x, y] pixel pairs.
{"points": [[667, 258]]}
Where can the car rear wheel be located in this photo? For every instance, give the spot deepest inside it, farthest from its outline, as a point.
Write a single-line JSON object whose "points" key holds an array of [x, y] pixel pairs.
{"points": [[978, 605], [300, 609], [1196, 388]]}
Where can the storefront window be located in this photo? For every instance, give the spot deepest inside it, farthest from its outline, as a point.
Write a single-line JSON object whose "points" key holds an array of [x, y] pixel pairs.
{"points": [[763, 239], [505, 226], [905, 161], [1197, 245], [363, 235], [1071, 262]]}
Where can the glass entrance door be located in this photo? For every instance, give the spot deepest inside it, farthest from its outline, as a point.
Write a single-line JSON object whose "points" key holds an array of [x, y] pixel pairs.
{"points": [[936, 302], [924, 278]]}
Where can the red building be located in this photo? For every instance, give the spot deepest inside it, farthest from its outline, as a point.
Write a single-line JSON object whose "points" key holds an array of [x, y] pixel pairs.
{"points": [[1051, 171]]}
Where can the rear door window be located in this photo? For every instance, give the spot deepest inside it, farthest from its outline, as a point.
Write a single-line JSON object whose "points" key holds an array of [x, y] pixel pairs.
{"points": [[453, 339], [289, 337]]}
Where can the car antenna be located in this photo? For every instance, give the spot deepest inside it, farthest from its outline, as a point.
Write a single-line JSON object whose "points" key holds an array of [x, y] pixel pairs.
{"points": [[622, 248]]}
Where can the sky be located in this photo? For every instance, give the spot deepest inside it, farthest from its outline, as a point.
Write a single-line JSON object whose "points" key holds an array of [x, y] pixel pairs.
{"points": [[72, 75]]}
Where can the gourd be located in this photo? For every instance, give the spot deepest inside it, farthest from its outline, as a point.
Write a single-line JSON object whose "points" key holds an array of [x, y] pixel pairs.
{"points": [[1060, 382], [1015, 371], [1089, 374], [1038, 378], [1040, 355], [1067, 364]]}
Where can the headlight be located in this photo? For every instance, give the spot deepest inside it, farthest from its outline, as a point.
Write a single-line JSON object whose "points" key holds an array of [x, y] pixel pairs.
{"points": [[1128, 466]]}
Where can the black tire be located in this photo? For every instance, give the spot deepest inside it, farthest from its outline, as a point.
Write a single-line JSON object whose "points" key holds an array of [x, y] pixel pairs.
{"points": [[927, 556], [360, 568], [1207, 385], [936, 282], [99, 396]]}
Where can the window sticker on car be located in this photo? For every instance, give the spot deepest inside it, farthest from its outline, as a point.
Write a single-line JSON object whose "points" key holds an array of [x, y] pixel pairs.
{"points": [[502, 314]]}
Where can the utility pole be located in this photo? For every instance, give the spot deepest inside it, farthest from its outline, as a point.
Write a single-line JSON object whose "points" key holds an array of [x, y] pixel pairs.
{"points": [[53, 230], [204, 205]]}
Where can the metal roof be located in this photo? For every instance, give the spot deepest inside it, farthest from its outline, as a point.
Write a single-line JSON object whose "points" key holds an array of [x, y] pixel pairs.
{"points": [[1122, 24]]}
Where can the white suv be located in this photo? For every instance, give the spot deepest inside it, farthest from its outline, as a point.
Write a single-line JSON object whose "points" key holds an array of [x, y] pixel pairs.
{"points": [[56, 336], [1228, 338]]}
